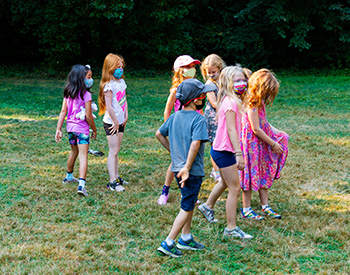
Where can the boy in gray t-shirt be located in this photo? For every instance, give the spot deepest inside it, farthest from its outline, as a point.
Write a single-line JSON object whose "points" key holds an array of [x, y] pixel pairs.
{"points": [[187, 132]]}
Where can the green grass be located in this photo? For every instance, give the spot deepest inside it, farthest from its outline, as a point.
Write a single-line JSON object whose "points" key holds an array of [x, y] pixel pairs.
{"points": [[45, 228]]}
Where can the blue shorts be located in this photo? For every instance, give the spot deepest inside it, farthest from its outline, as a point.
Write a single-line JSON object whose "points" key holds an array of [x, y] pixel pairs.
{"points": [[223, 158], [190, 191], [78, 138]]}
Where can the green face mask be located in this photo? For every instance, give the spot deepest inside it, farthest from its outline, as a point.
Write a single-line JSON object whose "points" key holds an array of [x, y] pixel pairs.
{"points": [[189, 73]]}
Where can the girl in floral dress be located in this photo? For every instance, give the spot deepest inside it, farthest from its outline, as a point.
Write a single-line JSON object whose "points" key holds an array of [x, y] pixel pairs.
{"points": [[264, 148]]}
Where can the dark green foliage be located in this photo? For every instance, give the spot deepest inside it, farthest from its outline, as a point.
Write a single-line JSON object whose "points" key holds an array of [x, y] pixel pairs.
{"points": [[151, 34]]}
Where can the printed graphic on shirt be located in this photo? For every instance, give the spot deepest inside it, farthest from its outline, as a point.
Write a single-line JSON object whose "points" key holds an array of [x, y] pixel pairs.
{"points": [[121, 98]]}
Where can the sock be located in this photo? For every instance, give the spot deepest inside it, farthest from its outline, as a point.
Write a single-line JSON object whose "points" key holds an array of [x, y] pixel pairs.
{"points": [[186, 237], [69, 176], [165, 190], [81, 182], [207, 207], [169, 242], [264, 206], [246, 209]]}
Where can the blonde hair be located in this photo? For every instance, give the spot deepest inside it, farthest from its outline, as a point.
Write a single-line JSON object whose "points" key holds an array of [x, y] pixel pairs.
{"points": [[227, 84], [177, 79], [211, 60], [263, 87], [109, 66]]}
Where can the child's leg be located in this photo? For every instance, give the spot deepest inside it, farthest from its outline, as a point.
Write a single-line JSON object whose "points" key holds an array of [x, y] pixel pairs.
{"points": [[263, 193], [112, 160], [71, 158], [217, 191], [182, 219], [83, 160], [231, 178], [216, 168], [169, 176], [246, 198]]}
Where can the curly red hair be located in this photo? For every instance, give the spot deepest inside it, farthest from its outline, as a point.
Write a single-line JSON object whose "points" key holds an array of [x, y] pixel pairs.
{"points": [[263, 86]]}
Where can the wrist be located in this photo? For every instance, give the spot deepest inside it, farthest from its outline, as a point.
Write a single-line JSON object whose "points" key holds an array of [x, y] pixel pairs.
{"points": [[273, 145]]}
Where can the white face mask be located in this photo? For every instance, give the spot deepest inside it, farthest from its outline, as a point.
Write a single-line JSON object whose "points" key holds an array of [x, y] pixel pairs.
{"points": [[189, 73], [213, 76]]}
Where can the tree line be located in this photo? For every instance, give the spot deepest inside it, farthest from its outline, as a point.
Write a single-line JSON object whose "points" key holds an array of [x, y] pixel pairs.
{"points": [[150, 34]]}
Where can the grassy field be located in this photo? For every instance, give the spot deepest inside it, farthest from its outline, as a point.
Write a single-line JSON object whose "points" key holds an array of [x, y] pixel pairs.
{"points": [[45, 228]]}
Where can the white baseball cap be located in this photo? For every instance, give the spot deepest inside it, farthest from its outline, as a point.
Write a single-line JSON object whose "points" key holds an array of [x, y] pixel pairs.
{"points": [[184, 60]]}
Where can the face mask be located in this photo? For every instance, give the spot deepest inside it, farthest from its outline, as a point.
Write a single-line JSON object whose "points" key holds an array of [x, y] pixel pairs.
{"points": [[240, 87], [200, 107], [213, 76], [118, 73], [89, 82], [189, 73]]}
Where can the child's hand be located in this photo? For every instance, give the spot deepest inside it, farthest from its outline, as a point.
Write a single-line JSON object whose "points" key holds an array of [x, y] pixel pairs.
{"points": [[93, 134], [183, 174], [114, 128], [240, 162], [277, 148], [58, 136]]}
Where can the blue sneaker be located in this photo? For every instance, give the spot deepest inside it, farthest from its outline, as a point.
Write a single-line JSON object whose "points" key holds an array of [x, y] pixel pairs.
{"points": [[189, 245], [171, 251]]}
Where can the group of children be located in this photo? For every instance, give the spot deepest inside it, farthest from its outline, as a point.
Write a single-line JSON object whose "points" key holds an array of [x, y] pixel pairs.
{"points": [[247, 153]]}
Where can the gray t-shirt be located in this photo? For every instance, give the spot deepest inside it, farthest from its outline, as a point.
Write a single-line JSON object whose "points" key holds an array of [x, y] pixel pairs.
{"points": [[183, 127]]}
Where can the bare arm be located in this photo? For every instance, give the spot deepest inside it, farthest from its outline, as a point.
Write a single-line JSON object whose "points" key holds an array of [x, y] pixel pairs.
{"points": [[169, 105], [184, 173], [109, 109], [254, 121], [163, 140], [126, 113], [212, 99], [234, 137], [63, 113], [90, 120]]}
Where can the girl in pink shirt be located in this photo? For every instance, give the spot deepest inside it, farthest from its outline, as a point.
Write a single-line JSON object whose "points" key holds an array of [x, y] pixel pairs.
{"points": [[226, 151], [76, 98]]}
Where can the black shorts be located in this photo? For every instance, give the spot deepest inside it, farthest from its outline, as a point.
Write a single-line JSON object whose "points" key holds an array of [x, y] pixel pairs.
{"points": [[106, 126]]}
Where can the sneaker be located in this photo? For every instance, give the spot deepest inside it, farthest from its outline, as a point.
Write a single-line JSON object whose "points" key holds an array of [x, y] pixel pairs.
{"points": [[65, 180], [163, 199], [207, 213], [237, 232], [269, 212], [215, 175], [171, 251], [251, 215], [115, 186], [122, 181], [189, 245], [82, 191]]}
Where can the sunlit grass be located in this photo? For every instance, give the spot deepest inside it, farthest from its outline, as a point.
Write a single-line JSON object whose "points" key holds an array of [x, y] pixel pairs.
{"points": [[45, 228]]}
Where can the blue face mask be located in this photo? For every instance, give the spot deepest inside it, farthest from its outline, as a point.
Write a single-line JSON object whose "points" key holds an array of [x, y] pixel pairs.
{"points": [[89, 82], [118, 73]]}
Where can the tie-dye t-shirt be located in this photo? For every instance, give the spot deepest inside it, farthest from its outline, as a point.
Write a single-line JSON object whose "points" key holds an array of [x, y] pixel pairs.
{"points": [[118, 100], [74, 106]]}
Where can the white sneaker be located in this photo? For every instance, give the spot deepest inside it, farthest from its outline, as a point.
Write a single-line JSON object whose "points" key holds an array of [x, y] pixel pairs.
{"points": [[82, 191], [115, 186], [237, 232]]}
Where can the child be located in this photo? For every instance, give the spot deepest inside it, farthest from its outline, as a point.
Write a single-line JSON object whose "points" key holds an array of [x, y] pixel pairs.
{"points": [[88, 77], [211, 68], [76, 96], [113, 104], [187, 131], [226, 151], [265, 148], [184, 68]]}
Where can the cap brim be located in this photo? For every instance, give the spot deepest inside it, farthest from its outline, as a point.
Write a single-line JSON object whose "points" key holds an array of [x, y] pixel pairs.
{"points": [[209, 87]]}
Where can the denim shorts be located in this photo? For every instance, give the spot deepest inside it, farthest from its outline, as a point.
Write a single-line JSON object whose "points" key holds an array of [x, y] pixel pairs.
{"points": [[223, 158], [78, 138], [190, 191], [106, 126]]}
